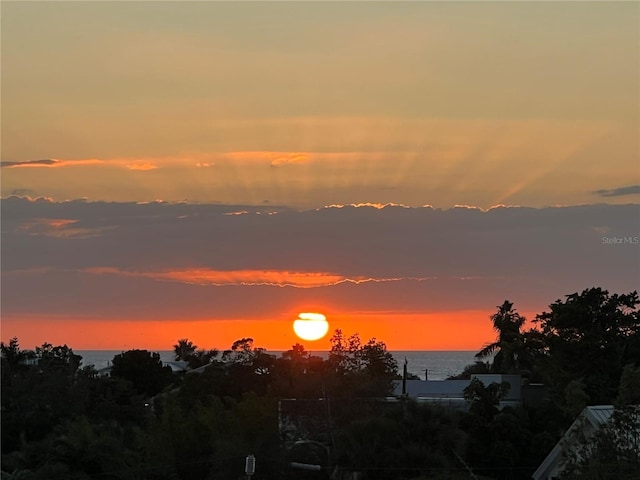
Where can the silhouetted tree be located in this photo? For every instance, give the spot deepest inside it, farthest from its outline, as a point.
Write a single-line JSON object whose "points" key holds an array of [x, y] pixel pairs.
{"points": [[509, 348], [56, 358], [365, 370], [485, 399], [629, 390], [143, 369], [590, 336], [299, 374], [407, 440], [377, 361], [249, 368], [12, 356], [184, 349], [241, 352], [575, 397], [187, 351]]}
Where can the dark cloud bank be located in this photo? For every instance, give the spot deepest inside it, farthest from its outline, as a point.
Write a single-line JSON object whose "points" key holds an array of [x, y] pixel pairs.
{"points": [[461, 258]]}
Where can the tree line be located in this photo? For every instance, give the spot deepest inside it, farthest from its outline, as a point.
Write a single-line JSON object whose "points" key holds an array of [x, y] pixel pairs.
{"points": [[61, 419]]}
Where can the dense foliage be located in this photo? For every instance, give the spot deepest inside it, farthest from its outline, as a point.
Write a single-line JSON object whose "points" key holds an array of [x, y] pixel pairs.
{"points": [[63, 420]]}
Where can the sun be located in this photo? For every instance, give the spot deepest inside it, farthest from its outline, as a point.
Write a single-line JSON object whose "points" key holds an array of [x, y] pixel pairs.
{"points": [[311, 326]]}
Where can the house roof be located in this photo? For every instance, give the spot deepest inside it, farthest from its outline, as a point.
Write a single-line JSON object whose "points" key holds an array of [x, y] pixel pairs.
{"points": [[596, 416], [599, 414]]}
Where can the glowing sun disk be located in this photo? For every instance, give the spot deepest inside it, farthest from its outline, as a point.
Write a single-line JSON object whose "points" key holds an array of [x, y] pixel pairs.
{"points": [[311, 326]]}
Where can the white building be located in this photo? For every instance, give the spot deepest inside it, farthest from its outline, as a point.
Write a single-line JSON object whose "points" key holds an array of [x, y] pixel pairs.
{"points": [[450, 393]]}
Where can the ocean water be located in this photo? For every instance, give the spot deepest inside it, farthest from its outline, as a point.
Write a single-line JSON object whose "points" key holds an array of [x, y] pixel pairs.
{"points": [[435, 365]]}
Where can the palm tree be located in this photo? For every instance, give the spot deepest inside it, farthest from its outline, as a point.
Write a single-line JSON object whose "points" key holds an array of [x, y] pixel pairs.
{"points": [[184, 349], [509, 347]]}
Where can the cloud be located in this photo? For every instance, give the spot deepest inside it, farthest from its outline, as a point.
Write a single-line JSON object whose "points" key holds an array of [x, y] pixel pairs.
{"points": [[427, 173], [50, 163], [184, 260], [141, 166], [377, 206], [48, 223], [30, 163], [617, 192], [273, 278], [278, 159], [58, 228]]}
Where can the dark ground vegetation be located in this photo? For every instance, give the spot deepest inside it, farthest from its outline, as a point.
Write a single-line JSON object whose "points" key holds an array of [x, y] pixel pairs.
{"points": [[64, 421]]}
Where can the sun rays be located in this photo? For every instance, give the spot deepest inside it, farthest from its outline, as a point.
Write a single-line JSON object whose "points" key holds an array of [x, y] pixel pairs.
{"points": [[380, 160]]}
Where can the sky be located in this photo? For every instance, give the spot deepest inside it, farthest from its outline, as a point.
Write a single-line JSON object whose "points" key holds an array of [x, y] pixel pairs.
{"points": [[211, 169]]}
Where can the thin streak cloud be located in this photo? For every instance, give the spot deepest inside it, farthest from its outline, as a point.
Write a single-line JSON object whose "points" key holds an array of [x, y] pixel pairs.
{"points": [[377, 206], [144, 166], [48, 162], [288, 159], [618, 192], [51, 163], [60, 228], [273, 278]]}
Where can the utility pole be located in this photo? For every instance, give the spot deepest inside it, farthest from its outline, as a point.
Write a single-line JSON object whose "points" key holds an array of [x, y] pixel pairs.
{"points": [[404, 378]]}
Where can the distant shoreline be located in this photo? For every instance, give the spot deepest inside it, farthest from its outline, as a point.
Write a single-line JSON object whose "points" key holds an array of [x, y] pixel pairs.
{"points": [[431, 364]]}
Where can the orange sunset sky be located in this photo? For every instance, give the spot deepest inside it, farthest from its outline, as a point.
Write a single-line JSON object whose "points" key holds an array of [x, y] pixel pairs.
{"points": [[210, 170]]}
